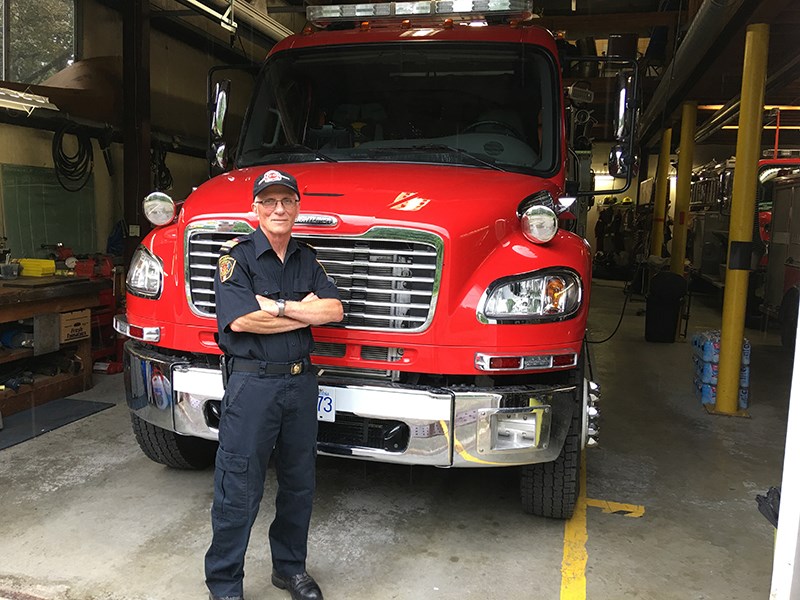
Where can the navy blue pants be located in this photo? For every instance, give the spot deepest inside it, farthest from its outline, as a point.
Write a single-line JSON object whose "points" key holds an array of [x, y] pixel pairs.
{"points": [[259, 415]]}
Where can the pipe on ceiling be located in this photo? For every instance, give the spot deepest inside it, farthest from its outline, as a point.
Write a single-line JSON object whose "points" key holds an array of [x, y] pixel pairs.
{"points": [[708, 24], [788, 73]]}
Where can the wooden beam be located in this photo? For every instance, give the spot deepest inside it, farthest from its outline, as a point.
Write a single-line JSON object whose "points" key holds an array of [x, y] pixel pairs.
{"points": [[136, 118], [595, 25]]}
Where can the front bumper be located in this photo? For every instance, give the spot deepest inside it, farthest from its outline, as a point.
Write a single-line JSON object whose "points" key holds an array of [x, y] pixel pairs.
{"points": [[459, 427]]}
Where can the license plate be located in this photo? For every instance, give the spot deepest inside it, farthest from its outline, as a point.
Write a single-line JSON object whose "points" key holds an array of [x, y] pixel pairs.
{"points": [[326, 404]]}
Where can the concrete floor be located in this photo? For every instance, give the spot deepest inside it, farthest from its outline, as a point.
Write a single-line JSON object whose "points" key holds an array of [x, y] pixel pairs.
{"points": [[85, 516]]}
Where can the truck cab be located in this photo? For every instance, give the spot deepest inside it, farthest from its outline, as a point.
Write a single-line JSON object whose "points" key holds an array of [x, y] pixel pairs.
{"points": [[431, 153]]}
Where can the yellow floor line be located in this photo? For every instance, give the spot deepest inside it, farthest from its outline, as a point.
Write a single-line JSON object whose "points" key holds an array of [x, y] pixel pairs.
{"points": [[573, 563], [575, 557], [626, 510]]}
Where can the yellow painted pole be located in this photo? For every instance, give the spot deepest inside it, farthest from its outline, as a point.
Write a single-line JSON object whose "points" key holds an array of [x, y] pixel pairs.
{"points": [[662, 191], [748, 148], [683, 188]]}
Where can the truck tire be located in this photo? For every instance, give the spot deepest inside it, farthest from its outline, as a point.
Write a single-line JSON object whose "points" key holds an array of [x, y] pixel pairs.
{"points": [[551, 489], [171, 449]]}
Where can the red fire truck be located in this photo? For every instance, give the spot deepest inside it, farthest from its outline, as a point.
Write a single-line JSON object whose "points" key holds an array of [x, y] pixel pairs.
{"points": [[712, 191], [431, 151]]}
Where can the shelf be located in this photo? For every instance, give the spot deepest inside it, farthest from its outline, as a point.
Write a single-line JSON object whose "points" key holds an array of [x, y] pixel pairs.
{"points": [[8, 355], [42, 390]]}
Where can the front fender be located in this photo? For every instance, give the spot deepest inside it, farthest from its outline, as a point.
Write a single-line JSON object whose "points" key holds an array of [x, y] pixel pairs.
{"points": [[516, 255]]}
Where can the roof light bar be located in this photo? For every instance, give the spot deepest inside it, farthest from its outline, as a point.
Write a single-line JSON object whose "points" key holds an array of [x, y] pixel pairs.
{"points": [[456, 9]]}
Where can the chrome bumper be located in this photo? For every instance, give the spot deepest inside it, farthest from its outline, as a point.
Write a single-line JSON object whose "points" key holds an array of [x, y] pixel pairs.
{"points": [[445, 427]]}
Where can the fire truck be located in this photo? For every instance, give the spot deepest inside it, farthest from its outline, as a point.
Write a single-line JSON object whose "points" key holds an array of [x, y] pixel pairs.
{"points": [[431, 149], [782, 287], [711, 195]]}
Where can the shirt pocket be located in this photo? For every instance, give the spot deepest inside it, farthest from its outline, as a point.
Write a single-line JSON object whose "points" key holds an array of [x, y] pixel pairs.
{"points": [[302, 286], [266, 287]]}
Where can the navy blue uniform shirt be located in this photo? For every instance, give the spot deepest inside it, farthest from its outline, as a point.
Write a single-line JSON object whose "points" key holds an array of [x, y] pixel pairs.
{"points": [[251, 267]]}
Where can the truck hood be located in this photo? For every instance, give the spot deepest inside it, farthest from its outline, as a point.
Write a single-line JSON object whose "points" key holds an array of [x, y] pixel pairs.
{"points": [[459, 203]]}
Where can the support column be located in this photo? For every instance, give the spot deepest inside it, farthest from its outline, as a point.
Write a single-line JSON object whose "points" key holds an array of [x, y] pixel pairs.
{"points": [[683, 189], [748, 149], [136, 119], [662, 191]]}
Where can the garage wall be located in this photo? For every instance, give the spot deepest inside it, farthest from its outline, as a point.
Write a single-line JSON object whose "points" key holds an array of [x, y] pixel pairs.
{"points": [[31, 147], [178, 88]]}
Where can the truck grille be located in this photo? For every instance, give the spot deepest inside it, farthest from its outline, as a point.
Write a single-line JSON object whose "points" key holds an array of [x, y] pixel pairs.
{"points": [[351, 431], [388, 278]]}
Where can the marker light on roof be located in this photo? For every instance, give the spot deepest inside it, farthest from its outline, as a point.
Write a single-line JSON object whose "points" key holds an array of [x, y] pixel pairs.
{"points": [[461, 9]]}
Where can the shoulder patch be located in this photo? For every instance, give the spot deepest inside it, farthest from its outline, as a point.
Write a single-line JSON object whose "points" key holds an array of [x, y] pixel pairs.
{"points": [[228, 245], [226, 266]]}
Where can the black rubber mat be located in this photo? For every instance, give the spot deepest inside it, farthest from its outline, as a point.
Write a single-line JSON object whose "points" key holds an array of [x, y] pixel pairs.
{"points": [[36, 421]]}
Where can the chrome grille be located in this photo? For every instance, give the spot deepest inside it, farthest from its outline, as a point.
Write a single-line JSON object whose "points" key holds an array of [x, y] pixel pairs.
{"points": [[388, 278]]}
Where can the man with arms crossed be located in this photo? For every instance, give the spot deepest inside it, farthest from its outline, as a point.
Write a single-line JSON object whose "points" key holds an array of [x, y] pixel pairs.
{"points": [[269, 289]]}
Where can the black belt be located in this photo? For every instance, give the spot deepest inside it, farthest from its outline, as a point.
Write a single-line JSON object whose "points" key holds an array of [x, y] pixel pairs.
{"points": [[245, 365]]}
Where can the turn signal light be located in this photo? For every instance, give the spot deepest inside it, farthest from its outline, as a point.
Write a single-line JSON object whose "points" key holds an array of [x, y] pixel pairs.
{"points": [[486, 362]]}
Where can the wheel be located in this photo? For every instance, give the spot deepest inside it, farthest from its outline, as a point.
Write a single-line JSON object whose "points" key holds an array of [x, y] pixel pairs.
{"points": [[171, 449], [551, 489], [788, 316]]}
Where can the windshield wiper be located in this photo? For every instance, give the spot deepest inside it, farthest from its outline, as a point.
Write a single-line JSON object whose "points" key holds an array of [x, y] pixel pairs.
{"points": [[460, 151], [264, 152], [304, 148]]}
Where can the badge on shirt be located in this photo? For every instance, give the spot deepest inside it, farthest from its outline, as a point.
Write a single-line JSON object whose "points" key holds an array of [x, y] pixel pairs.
{"points": [[226, 266]]}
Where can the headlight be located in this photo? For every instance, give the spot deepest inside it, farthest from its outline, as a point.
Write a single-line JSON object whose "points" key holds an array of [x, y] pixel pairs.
{"points": [[159, 208], [551, 295], [145, 275], [539, 224]]}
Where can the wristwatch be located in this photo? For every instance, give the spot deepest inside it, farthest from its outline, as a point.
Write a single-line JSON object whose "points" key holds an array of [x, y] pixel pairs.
{"points": [[281, 307]]}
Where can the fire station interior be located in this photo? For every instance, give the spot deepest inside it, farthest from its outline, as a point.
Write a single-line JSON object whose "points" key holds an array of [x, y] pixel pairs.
{"points": [[692, 312]]}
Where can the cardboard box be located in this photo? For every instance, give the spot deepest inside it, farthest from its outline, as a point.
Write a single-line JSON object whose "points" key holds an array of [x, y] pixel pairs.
{"points": [[75, 325]]}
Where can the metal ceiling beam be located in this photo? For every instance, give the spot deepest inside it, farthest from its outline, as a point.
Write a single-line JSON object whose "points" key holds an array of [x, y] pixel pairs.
{"points": [[715, 24], [786, 74], [597, 24]]}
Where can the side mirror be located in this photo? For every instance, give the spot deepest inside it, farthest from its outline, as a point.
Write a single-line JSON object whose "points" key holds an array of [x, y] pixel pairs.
{"points": [[622, 160], [625, 109], [218, 108], [220, 157], [221, 92], [621, 163]]}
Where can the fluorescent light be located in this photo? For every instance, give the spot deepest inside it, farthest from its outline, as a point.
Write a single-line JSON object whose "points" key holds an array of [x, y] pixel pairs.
{"points": [[225, 19], [766, 107], [23, 101], [782, 127]]}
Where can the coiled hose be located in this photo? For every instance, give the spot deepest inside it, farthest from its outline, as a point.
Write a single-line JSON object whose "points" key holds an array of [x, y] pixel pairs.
{"points": [[73, 170]]}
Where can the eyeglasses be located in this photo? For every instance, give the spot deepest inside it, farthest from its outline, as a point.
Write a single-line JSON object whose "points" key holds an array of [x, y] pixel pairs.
{"points": [[271, 203]]}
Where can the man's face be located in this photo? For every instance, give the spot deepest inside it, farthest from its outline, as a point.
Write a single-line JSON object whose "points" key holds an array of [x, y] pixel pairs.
{"points": [[277, 208]]}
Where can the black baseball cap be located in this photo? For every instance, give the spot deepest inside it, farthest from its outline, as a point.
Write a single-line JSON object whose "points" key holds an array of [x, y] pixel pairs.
{"points": [[275, 177]]}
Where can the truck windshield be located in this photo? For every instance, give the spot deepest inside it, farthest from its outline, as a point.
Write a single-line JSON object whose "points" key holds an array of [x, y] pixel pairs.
{"points": [[484, 105]]}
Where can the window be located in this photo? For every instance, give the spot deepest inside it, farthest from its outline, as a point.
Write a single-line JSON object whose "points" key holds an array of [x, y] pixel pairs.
{"points": [[37, 38], [478, 104]]}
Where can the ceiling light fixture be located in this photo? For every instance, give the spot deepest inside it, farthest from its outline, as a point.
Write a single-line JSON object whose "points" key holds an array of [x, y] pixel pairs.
{"points": [[225, 19], [766, 107], [23, 101], [782, 127]]}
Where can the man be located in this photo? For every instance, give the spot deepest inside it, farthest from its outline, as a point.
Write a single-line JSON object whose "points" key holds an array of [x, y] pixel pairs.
{"points": [[269, 290]]}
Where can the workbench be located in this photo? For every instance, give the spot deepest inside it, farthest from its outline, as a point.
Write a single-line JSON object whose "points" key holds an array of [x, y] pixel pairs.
{"points": [[43, 299]]}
